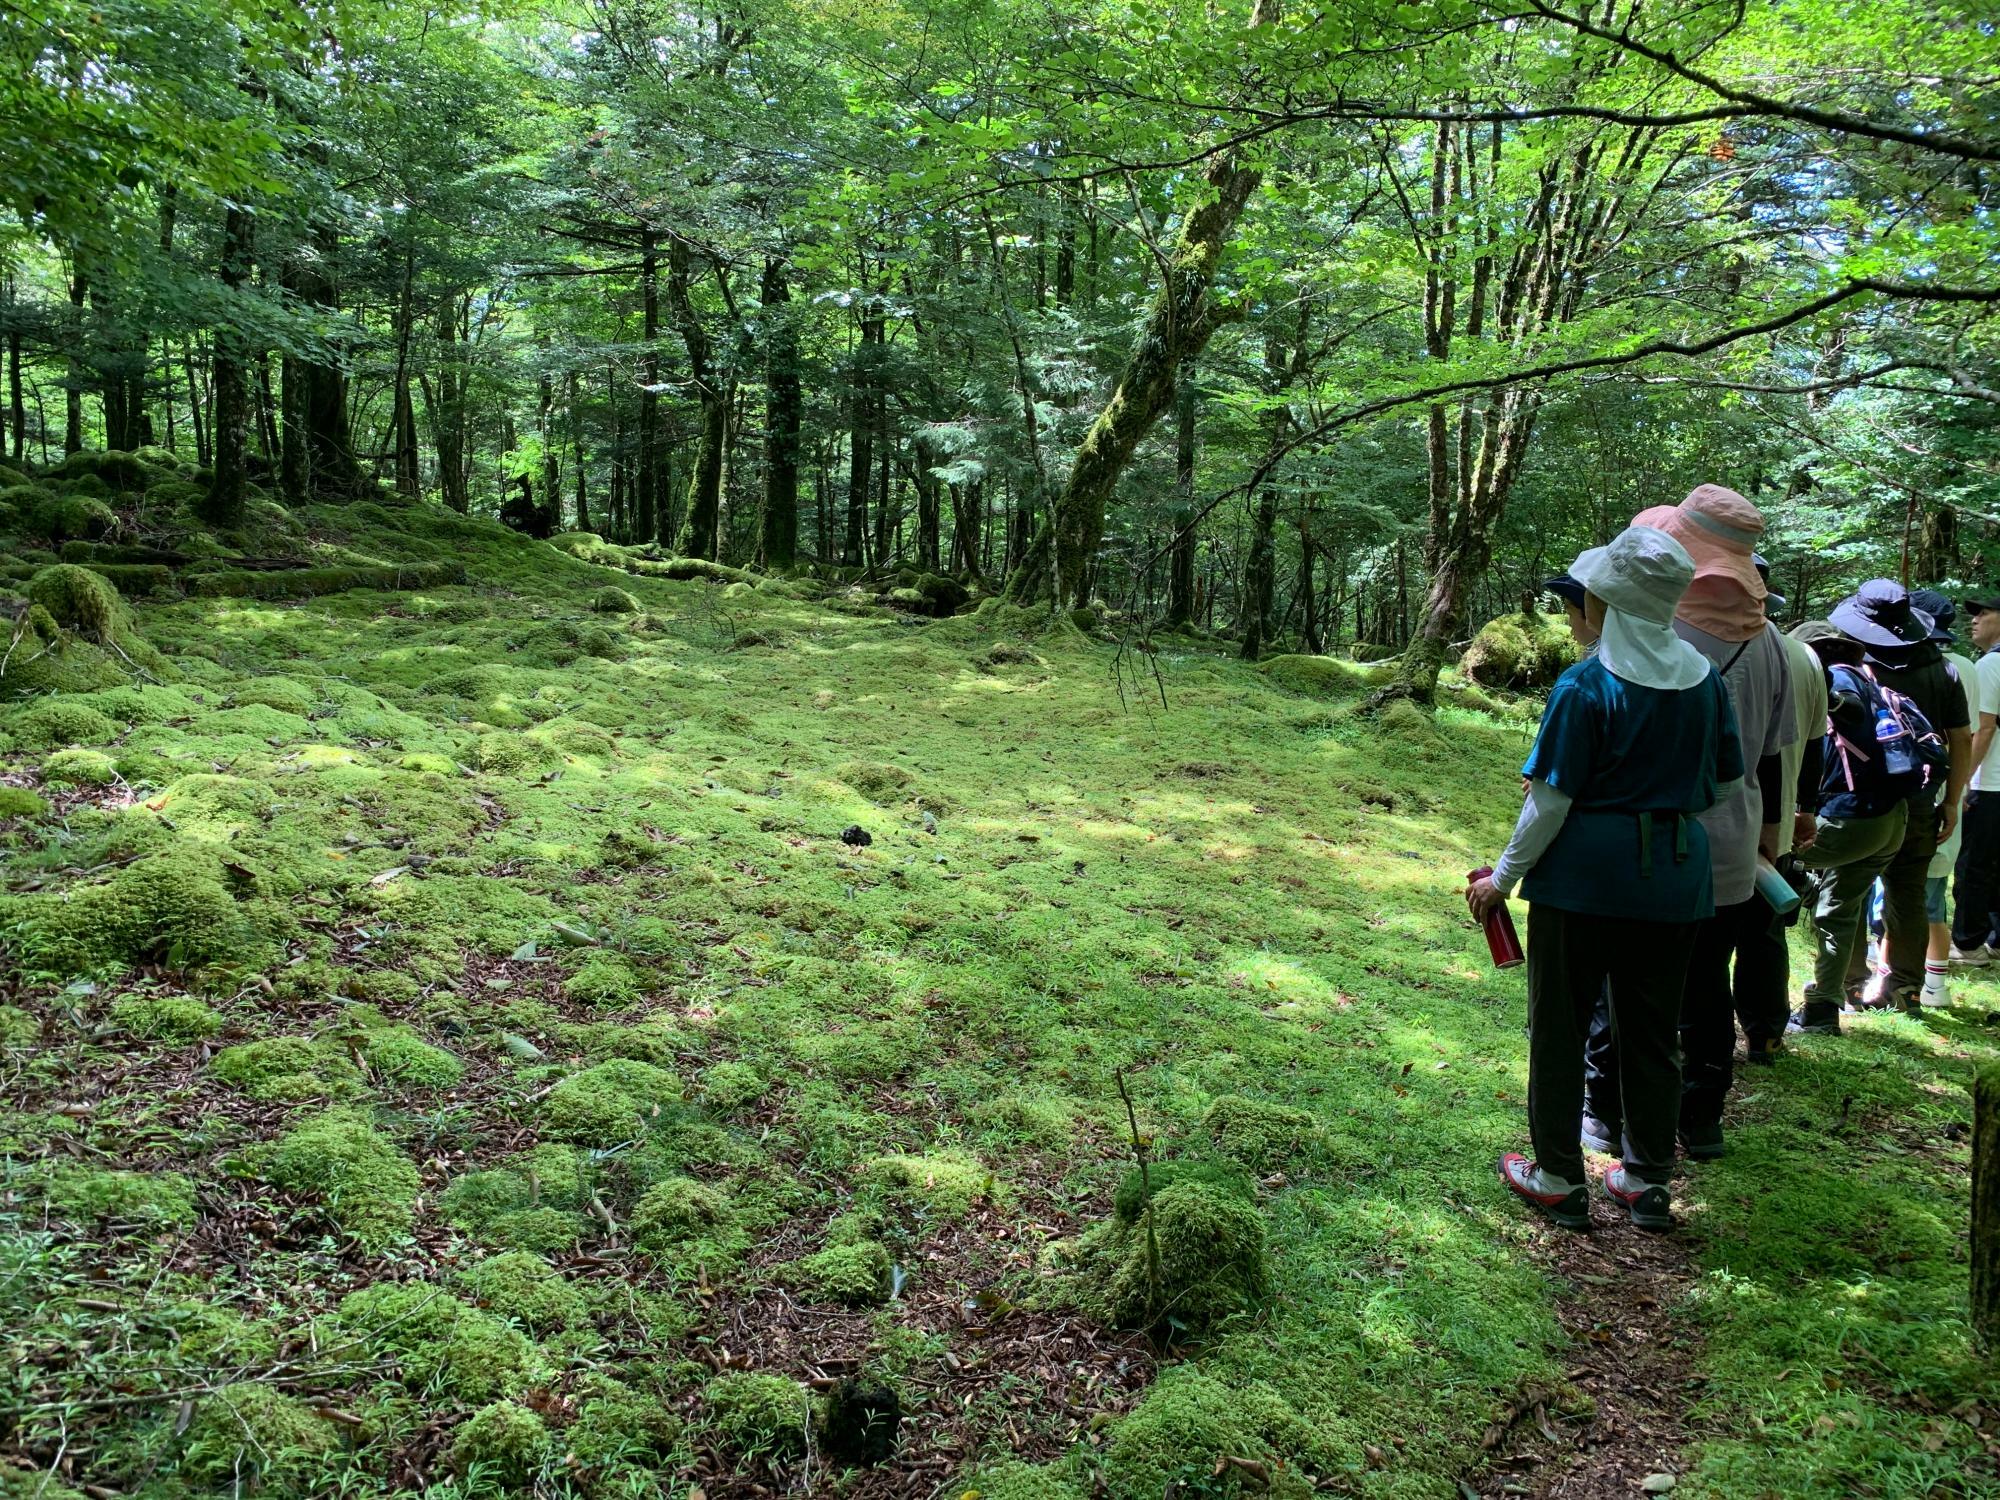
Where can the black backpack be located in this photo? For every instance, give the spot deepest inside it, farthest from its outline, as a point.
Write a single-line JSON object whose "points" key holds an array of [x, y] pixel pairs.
{"points": [[1902, 758]]}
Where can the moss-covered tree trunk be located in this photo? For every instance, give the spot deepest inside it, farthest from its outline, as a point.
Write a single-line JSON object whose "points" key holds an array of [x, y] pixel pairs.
{"points": [[228, 489], [73, 379], [1179, 323], [646, 486], [698, 532], [1180, 564], [784, 415], [1986, 1207]]}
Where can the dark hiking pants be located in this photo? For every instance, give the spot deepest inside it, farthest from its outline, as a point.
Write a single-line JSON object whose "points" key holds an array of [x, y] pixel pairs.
{"points": [[1906, 924], [1976, 880], [1845, 856], [1716, 999], [1572, 959]]}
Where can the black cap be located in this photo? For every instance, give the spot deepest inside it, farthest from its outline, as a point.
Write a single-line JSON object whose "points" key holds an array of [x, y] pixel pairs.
{"points": [[1941, 610], [1564, 588], [1980, 604], [1879, 614]]}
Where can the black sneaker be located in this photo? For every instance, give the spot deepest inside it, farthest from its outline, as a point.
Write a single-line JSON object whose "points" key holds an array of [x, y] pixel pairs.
{"points": [[1764, 1054], [1598, 1136], [1815, 1020], [1702, 1142], [1649, 1203]]}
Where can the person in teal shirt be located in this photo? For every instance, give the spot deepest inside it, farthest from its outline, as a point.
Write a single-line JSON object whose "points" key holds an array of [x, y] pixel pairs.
{"points": [[1635, 742]]}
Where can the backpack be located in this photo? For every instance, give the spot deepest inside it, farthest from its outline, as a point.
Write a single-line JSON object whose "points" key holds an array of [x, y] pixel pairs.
{"points": [[1903, 758]]}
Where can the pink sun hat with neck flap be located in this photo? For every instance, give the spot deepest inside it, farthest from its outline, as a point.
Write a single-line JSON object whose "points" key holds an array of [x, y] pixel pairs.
{"points": [[1720, 530]]}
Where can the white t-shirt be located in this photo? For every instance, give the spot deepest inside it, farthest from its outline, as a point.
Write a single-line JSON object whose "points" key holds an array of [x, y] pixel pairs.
{"points": [[1947, 852], [1986, 700]]}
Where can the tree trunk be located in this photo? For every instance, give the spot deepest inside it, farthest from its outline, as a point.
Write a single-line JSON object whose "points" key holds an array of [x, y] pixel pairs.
{"points": [[1180, 566], [73, 385], [194, 404], [1260, 574], [333, 474], [14, 401], [861, 440], [575, 407], [698, 533], [403, 416], [545, 404], [645, 528], [784, 412], [1310, 640], [1986, 1207], [228, 490], [1178, 326]]}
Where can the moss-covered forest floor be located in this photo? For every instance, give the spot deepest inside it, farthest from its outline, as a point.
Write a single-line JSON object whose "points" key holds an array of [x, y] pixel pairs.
{"points": [[451, 1046]]}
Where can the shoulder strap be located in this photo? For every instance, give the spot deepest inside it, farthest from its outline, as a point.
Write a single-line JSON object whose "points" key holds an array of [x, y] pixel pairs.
{"points": [[1734, 655]]}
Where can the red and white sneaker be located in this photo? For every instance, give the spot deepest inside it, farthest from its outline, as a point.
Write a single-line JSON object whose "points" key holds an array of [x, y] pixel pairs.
{"points": [[1649, 1203], [1566, 1202]]}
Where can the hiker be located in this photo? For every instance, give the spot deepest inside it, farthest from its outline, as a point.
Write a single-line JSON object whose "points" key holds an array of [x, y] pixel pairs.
{"points": [[1808, 676], [1722, 616], [1860, 813], [1900, 654], [1636, 740], [1975, 931], [1570, 593], [1937, 953]]}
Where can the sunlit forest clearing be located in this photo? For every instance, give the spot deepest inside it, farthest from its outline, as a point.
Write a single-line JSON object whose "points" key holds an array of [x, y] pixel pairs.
{"points": [[737, 747]]}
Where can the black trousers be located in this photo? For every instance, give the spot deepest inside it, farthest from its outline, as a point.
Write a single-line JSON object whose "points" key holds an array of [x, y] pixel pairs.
{"points": [[1573, 959], [1716, 999], [1975, 917]]}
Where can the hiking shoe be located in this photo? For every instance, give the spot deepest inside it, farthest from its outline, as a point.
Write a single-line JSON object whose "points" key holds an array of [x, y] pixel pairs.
{"points": [[1764, 1053], [1648, 1202], [1567, 1203], [1598, 1136], [1701, 1142], [1875, 994], [1934, 994], [1815, 1019], [1976, 957]]}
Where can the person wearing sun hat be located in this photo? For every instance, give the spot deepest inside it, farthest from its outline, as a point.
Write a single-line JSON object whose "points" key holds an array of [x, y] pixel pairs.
{"points": [[1975, 930], [1899, 652], [1736, 971], [1637, 740]]}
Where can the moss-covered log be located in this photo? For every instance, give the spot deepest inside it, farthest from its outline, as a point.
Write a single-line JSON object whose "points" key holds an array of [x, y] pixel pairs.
{"points": [[309, 583]]}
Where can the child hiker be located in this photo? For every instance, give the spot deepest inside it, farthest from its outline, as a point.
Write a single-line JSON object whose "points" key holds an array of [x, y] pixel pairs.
{"points": [[1635, 742]]}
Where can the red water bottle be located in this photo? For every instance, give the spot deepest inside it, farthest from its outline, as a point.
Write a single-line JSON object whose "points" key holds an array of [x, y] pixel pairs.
{"points": [[1501, 939]]}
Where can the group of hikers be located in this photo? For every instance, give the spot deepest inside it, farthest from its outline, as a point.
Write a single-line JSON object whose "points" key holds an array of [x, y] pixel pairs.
{"points": [[1695, 776]]}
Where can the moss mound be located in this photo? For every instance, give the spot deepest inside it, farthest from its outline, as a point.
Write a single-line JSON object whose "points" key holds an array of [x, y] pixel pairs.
{"points": [[1264, 1137], [52, 723], [944, 1183], [1524, 653], [402, 1057], [1318, 676], [79, 600], [523, 1288], [1189, 1421], [880, 784], [149, 1198], [533, 1204], [854, 1275], [79, 768], [759, 1415], [72, 516], [604, 981], [608, 1104], [257, 1437], [1212, 1263], [177, 906], [614, 601], [617, 1425], [288, 1068], [503, 1444], [678, 1211], [434, 1337], [19, 802], [166, 1018], [367, 1186]]}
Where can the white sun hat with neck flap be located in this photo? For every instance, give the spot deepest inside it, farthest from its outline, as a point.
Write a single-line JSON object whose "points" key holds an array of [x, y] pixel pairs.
{"points": [[1640, 574]]}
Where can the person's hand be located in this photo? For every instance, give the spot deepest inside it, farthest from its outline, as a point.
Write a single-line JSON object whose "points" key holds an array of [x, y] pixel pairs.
{"points": [[1767, 843], [1483, 897], [1947, 820], [1805, 828]]}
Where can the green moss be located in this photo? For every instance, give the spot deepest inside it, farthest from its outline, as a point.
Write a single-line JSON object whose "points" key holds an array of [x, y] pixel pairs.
{"points": [[854, 1275], [287, 1068], [758, 1415], [517, 754], [79, 768], [52, 723], [531, 1204], [1212, 1263], [1321, 677], [880, 784], [525, 1289], [677, 1211], [281, 693], [141, 704], [19, 802], [1520, 652], [79, 600], [166, 1018], [402, 1057], [434, 1337], [19, 1029], [153, 1198], [367, 1186], [254, 1436], [1014, 1480], [503, 1444], [1402, 719], [944, 1183], [608, 1104], [119, 470], [1264, 1137], [212, 806], [1188, 1421], [604, 981], [614, 601], [617, 1425], [731, 1085], [543, 1230], [171, 906], [62, 517], [1224, 1177]]}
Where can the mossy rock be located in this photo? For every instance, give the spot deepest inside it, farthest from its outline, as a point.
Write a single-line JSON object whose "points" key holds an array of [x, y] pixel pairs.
{"points": [[1212, 1261], [79, 768], [1265, 1137], [614, 601], [252, 1436], [604, 981], [120, 471], [503, 1444], [1321, 677], [678, 1211], [55, 723], [608, 1104], [19, 802], [368, 1187], [438, 1339], [853, 1275], [72, 516], [759, 1415], [1189, 1421], [524, 1288], [618, 1425], [1520, 652], [166, 1018], [153, 1199], [880, 784]]}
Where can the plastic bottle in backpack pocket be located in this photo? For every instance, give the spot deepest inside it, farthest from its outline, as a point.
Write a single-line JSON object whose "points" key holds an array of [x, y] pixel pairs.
{"points": [[1898, 745]]}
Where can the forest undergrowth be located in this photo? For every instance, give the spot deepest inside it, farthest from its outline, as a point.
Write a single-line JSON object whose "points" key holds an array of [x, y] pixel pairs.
{"points": [[588, 1032]]}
